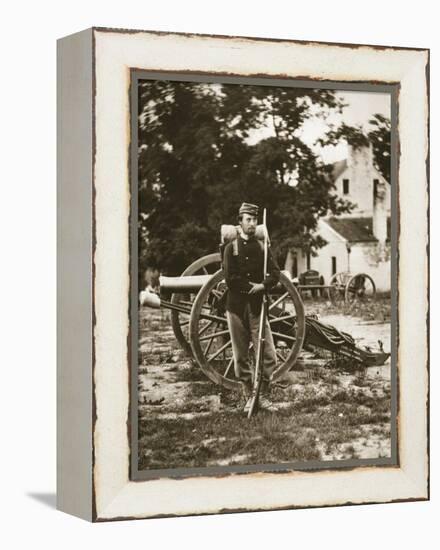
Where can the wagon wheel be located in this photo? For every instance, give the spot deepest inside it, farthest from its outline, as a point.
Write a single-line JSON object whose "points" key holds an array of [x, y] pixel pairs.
{"points": [[338, 286], [210, 339], [180, 321], [360, 288]]}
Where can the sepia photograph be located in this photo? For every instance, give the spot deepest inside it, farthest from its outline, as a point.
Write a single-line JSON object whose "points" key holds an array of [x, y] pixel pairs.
{"points": [[243, 269], [265, 276]]}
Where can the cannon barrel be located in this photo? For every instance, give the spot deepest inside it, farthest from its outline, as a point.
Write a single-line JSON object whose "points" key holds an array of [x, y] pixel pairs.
{"points": [[187, 283], [182, 285], [172, 285]]}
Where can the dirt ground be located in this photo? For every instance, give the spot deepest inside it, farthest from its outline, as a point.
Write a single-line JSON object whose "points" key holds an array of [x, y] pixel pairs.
{"points": [[329, 411]]}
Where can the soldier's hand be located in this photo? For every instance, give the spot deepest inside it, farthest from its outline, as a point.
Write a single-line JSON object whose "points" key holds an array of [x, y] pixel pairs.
{"points": [[256, 288]]}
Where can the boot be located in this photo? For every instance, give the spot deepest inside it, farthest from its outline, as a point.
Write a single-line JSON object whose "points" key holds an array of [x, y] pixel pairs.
{"points": [[264, 401], [246, 388]]}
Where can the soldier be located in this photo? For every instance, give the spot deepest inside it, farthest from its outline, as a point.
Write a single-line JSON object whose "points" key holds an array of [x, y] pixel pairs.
{"points": [[243, 266]]}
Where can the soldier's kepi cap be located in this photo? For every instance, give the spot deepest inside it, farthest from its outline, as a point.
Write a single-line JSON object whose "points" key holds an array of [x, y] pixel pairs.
{"points": [[247, 208]]}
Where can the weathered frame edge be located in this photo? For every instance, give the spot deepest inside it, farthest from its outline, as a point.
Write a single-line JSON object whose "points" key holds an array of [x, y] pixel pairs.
{"points": [[74, 274], [427, 365]]}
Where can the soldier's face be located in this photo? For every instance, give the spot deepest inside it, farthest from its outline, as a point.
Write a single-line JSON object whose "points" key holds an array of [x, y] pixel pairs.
{"points": [[249, 224]]}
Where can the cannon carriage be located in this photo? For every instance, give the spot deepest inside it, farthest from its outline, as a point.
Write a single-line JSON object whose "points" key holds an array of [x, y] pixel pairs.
{"points": [[349, 288], [343, 287], [199, 322]]}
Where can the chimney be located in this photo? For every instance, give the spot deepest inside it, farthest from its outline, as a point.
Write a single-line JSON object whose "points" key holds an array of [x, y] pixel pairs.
{"points": [[361, 156], [380, 214]]}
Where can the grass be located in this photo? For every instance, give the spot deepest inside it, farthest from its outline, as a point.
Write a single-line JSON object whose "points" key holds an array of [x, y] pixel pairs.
{"points": [[191, 373], [378, 309], [313, 428], [195, 442], [334, 412]]}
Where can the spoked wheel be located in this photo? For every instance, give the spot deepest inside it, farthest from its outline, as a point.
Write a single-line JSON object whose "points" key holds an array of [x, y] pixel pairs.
{"points": [[180, 321], [338, 286], [360, 288], [211, 341]]}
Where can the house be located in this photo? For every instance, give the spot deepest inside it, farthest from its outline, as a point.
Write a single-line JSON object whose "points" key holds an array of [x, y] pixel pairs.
{"points": [[358, 242]]}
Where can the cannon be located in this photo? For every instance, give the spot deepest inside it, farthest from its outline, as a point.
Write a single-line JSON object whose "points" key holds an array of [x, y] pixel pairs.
{"points": [[199, 323], [348, 287], [343, 287]]}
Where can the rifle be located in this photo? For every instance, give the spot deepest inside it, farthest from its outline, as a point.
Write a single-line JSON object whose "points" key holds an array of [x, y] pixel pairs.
{"points": [[261, 334]]}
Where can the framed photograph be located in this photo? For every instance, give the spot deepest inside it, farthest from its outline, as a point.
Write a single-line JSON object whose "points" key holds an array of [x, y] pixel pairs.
{"points": [[243, 274]]}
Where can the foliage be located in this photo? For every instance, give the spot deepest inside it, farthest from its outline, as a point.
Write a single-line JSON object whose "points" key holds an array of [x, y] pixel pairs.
{"points": [[204, 149], [379, 137], [353, 135]]}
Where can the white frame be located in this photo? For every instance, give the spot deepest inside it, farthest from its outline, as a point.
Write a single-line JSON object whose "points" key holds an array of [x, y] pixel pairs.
{"points": [[109, 493]]}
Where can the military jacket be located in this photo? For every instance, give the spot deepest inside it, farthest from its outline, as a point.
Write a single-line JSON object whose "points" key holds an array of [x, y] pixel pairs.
{"points": [[243, 268]]}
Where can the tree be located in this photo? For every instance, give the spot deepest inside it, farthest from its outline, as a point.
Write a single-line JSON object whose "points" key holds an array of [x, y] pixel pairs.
{"points": [[379, 137], [177, 161], [204, 149]]}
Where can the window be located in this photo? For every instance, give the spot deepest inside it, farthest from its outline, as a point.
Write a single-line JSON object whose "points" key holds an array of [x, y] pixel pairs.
{"points": [[308, 261], [346, 187], [375, 188], [295, 266], [333, 265]]}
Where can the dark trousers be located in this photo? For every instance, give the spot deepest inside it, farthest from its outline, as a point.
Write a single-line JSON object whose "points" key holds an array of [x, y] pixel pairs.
{"points": [[243, 331]]}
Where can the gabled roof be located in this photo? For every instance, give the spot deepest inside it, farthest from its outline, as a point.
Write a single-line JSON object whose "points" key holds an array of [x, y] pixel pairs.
{"points": [[356, 230], [338, 168]]}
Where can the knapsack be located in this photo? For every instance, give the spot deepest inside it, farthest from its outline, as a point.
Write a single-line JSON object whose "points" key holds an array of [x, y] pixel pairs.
{"points": [[230, 234]]}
